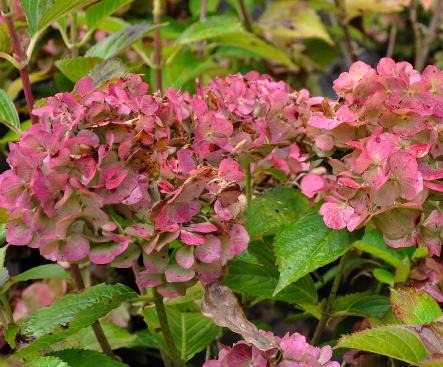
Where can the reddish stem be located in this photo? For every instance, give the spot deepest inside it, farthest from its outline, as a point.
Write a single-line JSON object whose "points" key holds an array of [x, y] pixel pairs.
{"points": [[246, 18], [157, 46], [96, 327], [21, 59]]}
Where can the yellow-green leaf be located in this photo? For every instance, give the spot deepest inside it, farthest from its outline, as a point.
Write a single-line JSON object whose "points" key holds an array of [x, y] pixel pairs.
{"points": [[414, 306], [394, 341]]}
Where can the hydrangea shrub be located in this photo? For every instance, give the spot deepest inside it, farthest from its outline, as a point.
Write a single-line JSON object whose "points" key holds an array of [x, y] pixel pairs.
{"points": [[117, 176]]}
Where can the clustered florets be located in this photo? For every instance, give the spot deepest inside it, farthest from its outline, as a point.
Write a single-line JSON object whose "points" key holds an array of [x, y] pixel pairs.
{"points": [[109, 174], [113, 174], [389, 122], [293, 351]]}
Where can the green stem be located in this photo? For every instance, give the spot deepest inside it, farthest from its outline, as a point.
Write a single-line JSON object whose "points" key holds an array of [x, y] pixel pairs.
{"points": [[248, 183], [7, 308], [329, 304], [246, 18], [74, 35], [20, 57], [96, 327], [162, 317], [157, 11]]}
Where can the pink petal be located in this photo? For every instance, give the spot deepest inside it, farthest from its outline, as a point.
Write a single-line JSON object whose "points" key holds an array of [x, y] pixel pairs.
{"points": [[146, 279], [335, 215], [201, 227], [238, 240], [311, 185], [322, 122], [185, 256], [210, 251], [76, 248], [230, 170], [84, 86], [175, 273], [190, 238]]}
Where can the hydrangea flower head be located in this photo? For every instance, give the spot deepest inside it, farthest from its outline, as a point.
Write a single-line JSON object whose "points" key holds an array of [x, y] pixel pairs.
{"points": [[388, 121]]}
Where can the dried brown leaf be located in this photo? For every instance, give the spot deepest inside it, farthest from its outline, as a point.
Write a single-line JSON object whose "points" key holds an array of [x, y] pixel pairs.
{"points": [[221, 305]]}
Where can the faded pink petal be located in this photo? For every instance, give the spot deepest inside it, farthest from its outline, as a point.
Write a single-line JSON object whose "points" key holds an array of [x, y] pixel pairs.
{"points": [[185, 256], [76, 248], [336, 215], [210, 251], [175, 273], [311, 185], [322, 122], [230, 171], [404, 169]]}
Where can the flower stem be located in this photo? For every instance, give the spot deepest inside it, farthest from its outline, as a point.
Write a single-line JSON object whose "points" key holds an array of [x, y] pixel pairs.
{"points": [[20, 57], [248, 183], [74, 32], [348, 48], [246, 18], [96, 327], [7, 309], [157, 11], [430, 33], [329, 304], [162, 317]]}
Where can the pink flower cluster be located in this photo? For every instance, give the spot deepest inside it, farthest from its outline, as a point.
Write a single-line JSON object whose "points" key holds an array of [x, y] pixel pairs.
{"points": [[110, 174], [388, 122], [293, 351]]}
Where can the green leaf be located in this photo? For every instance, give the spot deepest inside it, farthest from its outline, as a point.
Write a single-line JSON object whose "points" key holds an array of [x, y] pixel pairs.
{"points": [[119, 41], [195, 5], [192, 332], [5, 41], [266, 214], [34, 9], [4, 273], [8, 113], [47, 361], [117, 336], [77, 67], [10, 334], [362, 304], [12, 135], [86, 358], [403, 270], [102, 9], [421, 252], [251, 42], [293, 20], [185, 68], [70, 314], [393, 341], [384, 276], [374, 244], [3, 255], [144, 339], [260, 279], [414, 306], [432, 363], [307, 245], [109, 69], [360, 7], [214, 26], [60, 9], [48, 271]]}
